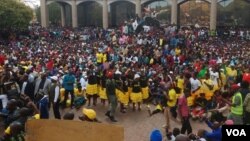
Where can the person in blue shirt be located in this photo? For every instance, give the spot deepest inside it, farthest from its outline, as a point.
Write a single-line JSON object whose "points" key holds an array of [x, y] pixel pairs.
{"points": [[44, 107], [216, 134], [68, 84]]}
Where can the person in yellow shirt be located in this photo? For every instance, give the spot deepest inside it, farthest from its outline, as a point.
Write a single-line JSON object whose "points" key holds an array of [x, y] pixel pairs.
{"points": [[171, 106], [62, 93], [231, 74], [171, 101], [177, 51], [99, 57], [104, 57], [223, 78], [180, 82], [207, 87]]}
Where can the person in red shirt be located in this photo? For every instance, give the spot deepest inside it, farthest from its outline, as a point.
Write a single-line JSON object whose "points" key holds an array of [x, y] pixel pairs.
{"points": [[183, 110], [2, 59]]}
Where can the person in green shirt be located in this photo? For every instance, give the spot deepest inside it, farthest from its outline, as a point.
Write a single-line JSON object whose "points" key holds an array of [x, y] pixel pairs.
{"points": [[202, 72], [110, 90]]}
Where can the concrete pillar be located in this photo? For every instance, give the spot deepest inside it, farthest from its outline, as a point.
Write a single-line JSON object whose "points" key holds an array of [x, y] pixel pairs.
{"points": [[74, 14], [213, 14], [105, 17], [44, 13], [174, 11], [138, 8], [62, 15]]}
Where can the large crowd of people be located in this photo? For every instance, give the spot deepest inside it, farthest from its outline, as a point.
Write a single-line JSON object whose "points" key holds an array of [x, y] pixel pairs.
{"points": [[186, 73]]}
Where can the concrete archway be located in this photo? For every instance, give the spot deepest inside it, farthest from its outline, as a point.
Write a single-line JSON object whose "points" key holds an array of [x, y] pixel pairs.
{"points": [[187, 17], [59, 14], [84, 1], [121, 10], [114, 1], [89, 13]]}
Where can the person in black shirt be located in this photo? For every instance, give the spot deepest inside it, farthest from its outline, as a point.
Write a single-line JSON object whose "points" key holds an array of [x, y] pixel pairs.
{"points": [[118, 85], [144, 86], [124, 96], [136, 95], [102, 91], [91, 89]]}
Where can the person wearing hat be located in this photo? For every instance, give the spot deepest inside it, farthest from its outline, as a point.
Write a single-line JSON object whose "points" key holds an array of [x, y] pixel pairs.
{"points": [[136, 95], [110, 90], [88, 115], [54, 96], [236, 104]]}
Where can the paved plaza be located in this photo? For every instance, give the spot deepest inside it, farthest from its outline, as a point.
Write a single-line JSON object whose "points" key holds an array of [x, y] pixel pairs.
{"points": [[137, 124]]}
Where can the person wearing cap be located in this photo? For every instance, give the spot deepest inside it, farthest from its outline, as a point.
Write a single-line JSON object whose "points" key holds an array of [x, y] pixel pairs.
{"points": [[54, 96], [88, 115], [110, 91], [236, 104], [136, 95], [156, 135]]}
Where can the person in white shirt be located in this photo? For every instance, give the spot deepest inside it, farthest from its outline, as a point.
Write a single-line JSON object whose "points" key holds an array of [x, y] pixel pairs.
{"points": [[214, 76], [84, 81], [195, 84], [54, 96]]}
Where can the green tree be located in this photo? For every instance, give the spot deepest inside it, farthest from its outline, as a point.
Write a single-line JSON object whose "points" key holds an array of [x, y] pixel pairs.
{"points": [[14, 15]]}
